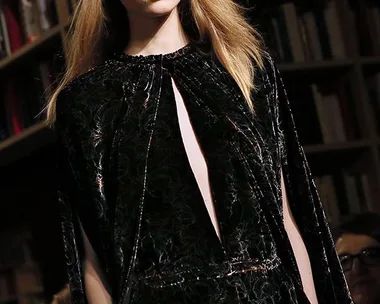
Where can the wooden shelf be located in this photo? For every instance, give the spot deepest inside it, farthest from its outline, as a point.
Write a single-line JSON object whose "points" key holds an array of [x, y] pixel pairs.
{"points": [[370, 64], [374, 60], [25, 143], [9, 299], [339, 146], [327, 158], [27, 49], [334, 64], [315, 65]]}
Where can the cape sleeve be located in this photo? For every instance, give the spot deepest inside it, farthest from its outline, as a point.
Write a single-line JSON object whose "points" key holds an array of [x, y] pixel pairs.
{"points": [[81, 198], [304, 202], [70, 194]]}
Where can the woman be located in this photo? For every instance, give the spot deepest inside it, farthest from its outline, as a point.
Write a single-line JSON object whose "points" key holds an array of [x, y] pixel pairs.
{"points": [[174, 129]]}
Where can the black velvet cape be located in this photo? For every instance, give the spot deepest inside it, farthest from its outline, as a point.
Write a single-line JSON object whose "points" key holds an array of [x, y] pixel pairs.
{"points": [[125, 176]]}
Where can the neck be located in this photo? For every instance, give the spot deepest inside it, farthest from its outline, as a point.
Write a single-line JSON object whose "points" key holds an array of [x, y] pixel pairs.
{"points": [[155, 35]]}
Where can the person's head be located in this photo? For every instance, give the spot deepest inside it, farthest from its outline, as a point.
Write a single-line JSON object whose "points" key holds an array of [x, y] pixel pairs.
{"points": [[101, 27], [358, 246]]}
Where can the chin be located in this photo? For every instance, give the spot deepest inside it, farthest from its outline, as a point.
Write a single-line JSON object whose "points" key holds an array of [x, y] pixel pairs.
{"points": [[150, 7]]}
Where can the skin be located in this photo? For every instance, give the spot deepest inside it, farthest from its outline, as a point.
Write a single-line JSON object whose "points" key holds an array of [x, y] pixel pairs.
{"points": [[363, 280], [155, 28], [299, 249]]}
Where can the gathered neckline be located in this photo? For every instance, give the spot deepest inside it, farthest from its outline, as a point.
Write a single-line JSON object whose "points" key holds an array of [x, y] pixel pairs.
{"points": [[121, 56]]}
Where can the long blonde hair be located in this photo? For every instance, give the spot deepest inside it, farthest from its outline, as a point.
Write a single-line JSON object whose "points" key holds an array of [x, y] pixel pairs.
{"points": [[98, 25]]}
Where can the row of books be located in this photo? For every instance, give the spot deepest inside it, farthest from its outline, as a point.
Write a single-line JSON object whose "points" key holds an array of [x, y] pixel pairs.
{"points": [[343, 193], [367, 27], [373, 95], [324, 113], [296, 34], [24, 96], [24, 21], [327, 112]]}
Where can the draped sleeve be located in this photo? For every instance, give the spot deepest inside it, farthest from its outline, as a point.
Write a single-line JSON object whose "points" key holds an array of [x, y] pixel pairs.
{"points": [[304, 201], [82, 200], [70, 193]]}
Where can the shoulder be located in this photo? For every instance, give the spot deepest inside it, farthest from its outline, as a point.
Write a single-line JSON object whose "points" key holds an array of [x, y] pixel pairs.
{"points": [[265, 82], [100, 79], [270, 71], [81, 97], [272, 79]]}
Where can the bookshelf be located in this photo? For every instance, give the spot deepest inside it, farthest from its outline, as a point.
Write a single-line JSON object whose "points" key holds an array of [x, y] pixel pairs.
{"points": [[329, 55], [27, 152], [333, 86]]}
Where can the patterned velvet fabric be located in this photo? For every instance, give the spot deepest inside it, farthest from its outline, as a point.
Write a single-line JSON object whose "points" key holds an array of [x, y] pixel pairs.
{"points": [[125, 176]]}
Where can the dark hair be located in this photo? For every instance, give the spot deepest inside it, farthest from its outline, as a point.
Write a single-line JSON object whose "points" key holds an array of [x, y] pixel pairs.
{"points": [[367, 223]]}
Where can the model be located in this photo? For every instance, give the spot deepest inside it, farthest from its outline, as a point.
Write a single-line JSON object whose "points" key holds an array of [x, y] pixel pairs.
{"points": [[182, 179]]}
